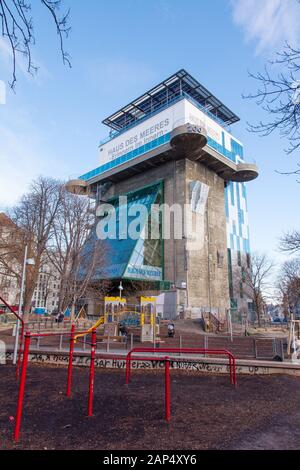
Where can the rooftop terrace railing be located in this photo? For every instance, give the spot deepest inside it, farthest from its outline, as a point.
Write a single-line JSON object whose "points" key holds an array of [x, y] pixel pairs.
{"points": [[161, 107]]}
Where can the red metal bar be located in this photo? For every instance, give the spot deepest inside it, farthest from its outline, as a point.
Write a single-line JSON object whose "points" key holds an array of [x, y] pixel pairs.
{"points": [[231, 358], [167, 390], [128, 368], [66, 333], [234, 370], [22, 387], [70, 365], [20, 351], [185, 350], [92, 373], [11, 310], [129, 359]]}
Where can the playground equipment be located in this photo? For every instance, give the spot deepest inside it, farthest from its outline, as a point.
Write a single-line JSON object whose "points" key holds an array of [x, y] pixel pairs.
{"points": [[293, 348], [81, 314], [117, 313], [99, 322], [214, 352], [113, 308], [148, 319], [28, 336], [130, 319], [152, 355]]}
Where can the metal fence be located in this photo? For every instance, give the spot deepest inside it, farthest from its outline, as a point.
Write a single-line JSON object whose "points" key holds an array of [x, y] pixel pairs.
{"points": [[242, 347]]}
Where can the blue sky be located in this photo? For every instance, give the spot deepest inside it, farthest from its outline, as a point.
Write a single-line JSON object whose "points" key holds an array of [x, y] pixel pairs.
{"points": [[121, 48]]}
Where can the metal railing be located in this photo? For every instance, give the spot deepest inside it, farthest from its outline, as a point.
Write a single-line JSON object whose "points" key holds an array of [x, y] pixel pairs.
{"points": [[187, 351], [245, 347], [165, 104], [153, 354]]}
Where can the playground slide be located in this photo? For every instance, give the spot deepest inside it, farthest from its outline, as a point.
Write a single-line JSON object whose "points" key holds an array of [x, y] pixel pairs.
{"points": [[99, 322]]}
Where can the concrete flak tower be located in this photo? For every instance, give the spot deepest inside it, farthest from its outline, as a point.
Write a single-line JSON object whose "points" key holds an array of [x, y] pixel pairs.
{"points": [[172, 152]]}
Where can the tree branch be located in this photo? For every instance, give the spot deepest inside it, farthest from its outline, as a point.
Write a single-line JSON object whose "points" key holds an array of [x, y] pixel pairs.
{"points": [[279, 97], [16, 26]]}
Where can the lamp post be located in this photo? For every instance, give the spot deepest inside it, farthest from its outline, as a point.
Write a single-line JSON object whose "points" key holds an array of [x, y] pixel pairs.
{"points": [[154, 325], [121, 288], [27, 261]]}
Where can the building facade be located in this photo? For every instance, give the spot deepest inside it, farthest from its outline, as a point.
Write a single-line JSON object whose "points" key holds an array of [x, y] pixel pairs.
{"points": [[171, 152], [9, 286], [46, 293]]}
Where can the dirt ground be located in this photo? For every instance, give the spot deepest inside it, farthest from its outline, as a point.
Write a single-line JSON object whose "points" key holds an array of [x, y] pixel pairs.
{"points": [[207, 413]]}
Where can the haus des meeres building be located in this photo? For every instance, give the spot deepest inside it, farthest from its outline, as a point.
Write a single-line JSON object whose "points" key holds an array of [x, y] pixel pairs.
{"points": [[171, 150]]}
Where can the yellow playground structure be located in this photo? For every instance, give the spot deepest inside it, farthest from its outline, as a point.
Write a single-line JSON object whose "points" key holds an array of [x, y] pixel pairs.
{"points": [[116, 311]]}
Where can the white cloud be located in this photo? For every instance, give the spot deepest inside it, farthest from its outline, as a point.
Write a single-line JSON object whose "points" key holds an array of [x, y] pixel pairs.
{"points": [[268, 22]]}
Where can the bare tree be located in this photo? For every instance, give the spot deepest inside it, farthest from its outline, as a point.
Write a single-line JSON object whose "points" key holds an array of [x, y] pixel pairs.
{"points": [[58, 229], [289, 284], [290, 242], [34, 216], [12, 246], [257, 279], [16, 25], [279, 96], [11, 258], [96, 290], [73, 251]]}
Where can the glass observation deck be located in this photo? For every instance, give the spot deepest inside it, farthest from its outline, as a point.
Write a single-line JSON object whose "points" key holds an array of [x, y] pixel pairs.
{"points": [[180, 82], [178, 86]]}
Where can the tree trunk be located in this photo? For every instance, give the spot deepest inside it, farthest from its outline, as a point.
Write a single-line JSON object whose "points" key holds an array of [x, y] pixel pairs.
{"points": [[72, 314], [257, 308]]}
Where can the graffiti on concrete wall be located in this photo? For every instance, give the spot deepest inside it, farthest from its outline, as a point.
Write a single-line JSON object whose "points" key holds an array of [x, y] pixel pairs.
{"points": [[2, 352], [102, 363]]}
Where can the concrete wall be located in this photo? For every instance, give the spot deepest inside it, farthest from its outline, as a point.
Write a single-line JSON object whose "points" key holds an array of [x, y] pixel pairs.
{"points": [[203, 365], [199, 270], [241, 291], [208, 272]]}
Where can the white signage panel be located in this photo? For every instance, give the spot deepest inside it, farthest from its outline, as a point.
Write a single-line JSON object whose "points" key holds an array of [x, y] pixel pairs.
{"points": [[143, 133], [162, 123], [214, 130]]}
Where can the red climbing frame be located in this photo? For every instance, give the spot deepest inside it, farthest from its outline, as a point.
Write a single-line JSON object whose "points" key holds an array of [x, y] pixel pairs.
{"points": [[28, 337], [214, 352], [129, 359], [92, 372], [167, 360]]}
